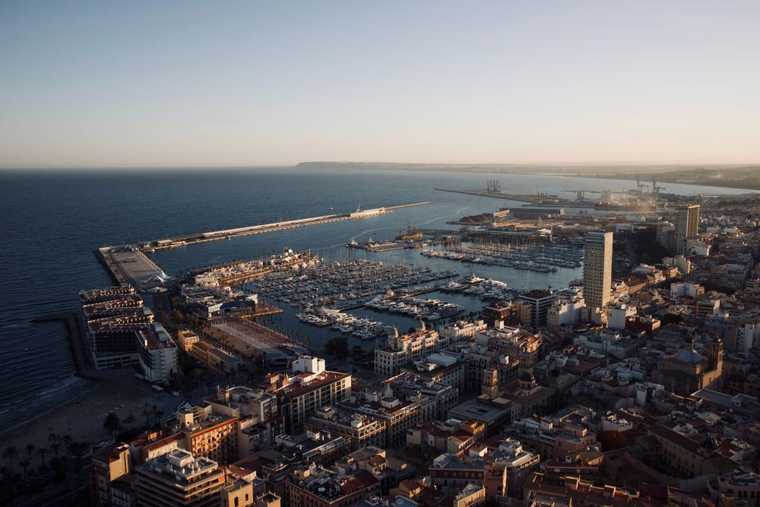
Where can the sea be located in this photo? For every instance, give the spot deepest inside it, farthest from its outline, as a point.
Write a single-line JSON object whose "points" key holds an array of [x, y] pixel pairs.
{"points": [[52, 222]]}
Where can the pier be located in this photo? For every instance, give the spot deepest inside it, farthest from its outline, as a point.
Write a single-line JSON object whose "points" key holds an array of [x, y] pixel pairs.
{"points": [[251, 230], [128, 265]]}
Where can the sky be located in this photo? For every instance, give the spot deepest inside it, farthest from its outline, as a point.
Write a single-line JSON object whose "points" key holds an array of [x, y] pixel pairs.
{"points": [[184, 83]]}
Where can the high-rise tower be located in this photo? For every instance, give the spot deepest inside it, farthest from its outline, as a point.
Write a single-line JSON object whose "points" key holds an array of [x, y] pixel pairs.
{"points": [[597, 269], [687, 225]]}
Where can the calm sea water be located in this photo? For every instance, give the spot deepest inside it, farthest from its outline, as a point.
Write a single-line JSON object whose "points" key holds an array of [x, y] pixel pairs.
{"points": [[53, 221]]}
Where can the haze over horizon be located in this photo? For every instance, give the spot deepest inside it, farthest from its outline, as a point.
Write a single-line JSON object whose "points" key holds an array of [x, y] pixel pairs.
{"points": [[143, 84]]}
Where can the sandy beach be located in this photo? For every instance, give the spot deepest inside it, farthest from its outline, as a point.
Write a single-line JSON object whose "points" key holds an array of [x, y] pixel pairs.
{"points": [[83, 417]]}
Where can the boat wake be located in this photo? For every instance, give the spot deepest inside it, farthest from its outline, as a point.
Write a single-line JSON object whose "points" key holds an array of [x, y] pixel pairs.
{"points": [[369, 231]]}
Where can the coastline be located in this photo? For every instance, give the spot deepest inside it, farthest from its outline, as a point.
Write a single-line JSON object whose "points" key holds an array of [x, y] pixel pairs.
{"points": [[7, 431], [81, 416]]}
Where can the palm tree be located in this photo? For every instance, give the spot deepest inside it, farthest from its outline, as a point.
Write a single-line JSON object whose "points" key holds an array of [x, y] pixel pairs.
{"points": [[112, 424], [30, 450], [24, 465], [10, 453], [146, 412], [67, 443], [41, 452], [158, 413], [53, 440], [154, 414]]}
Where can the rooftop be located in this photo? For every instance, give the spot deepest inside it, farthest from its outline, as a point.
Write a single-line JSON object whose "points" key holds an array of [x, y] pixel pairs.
{"points": [[449, 461], [181, 466], [306, 382], [488, 413], [331, 484], [537, 294]]}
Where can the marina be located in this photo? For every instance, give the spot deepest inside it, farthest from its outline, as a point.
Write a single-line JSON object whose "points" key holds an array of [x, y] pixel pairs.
{"points": [[483, 288], [545, 258], [346, 323], [488, 260], [419, 308], [383, 246], [237, 273], [342, 284]]}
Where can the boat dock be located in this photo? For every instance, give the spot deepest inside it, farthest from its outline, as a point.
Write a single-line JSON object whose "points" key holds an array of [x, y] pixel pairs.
{"points": [[372, 246]]}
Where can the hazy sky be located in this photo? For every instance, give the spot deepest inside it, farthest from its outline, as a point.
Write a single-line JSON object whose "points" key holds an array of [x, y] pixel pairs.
{"points": [[110, 83]]}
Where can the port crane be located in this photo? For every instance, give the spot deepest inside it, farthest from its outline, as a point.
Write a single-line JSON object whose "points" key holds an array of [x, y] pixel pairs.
{"points": [[642, 188], [493, 186], [581, 194], [656, 189], [639, 185]]}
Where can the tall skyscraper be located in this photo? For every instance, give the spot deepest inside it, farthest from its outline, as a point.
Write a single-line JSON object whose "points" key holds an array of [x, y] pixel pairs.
{"points": [[597, 269], [687, 225]]}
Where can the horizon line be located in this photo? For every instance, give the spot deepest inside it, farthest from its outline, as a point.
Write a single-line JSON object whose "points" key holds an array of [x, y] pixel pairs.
{"points": [[574, 165]]}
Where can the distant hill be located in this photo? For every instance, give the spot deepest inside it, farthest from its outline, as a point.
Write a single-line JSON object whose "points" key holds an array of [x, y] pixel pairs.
{"points": [[400, 166], [569, 169]]}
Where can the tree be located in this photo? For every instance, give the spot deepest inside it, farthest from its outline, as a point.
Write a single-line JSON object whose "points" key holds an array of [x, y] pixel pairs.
{"points": [[146, 412], [10, 453], [24, 463], [112, 424], [52, 438], [157, 413], [79, 449], [66, 439], [41, 452]]}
